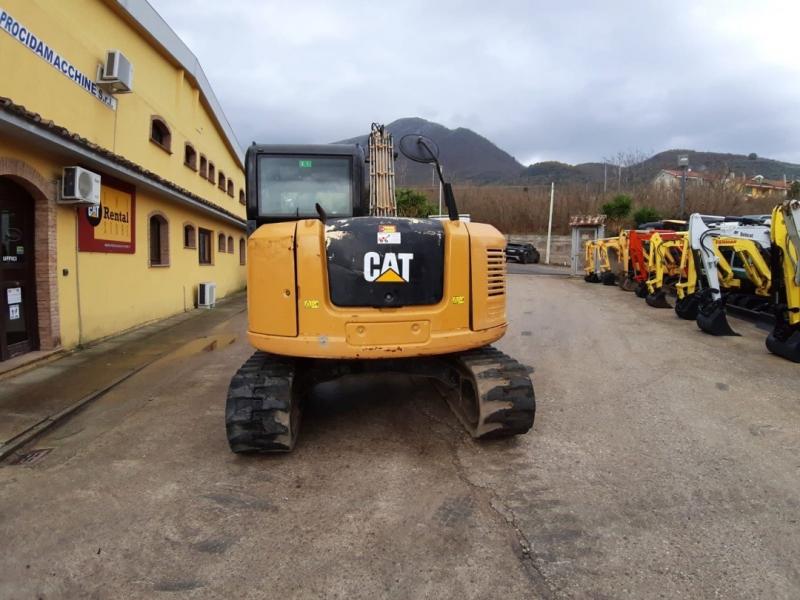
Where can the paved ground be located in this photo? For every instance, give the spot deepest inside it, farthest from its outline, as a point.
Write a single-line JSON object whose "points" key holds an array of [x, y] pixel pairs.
{"points": [[664, 464]]}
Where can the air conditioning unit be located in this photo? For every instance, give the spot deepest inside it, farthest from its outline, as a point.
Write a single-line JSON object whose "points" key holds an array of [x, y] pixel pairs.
{"points": [[206, 294], [79, 186], [116, 74]]}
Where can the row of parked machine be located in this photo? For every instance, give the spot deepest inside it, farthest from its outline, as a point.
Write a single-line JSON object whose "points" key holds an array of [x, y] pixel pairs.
{"points": [[711, 264]]}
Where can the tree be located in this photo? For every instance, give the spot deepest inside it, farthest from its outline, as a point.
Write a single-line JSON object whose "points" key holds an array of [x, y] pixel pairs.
{"points": [[752, 156], [646, 214], [411, 203], [794, 190], [619, 207]]}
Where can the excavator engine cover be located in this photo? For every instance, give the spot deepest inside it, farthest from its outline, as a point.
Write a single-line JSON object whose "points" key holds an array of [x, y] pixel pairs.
{"points": [[384, 261]]}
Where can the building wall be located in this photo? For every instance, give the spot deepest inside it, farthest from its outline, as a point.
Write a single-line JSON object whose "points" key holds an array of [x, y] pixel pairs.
{"points": [[120, 291], [82, 31], [97, 294]]}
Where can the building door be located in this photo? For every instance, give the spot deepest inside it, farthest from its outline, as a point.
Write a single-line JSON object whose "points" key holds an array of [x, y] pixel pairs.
{"points": [[17, 279]]}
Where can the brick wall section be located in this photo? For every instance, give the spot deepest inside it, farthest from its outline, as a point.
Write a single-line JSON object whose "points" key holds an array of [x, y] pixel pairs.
{"points": [[43, 193]]}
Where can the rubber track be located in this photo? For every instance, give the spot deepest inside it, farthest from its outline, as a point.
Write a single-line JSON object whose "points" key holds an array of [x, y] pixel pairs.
{"points": [[506, 402], [259, 405]]}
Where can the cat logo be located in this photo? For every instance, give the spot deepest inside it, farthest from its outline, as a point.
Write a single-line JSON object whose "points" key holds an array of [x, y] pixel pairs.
{"points": [[394, 268]]}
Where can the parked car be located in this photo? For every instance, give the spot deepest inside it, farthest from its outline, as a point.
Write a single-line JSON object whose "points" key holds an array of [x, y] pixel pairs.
{"points": [[522, 252]]}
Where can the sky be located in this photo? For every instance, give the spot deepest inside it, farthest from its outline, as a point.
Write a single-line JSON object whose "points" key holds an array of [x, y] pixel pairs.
{"points": [[574, 80]]}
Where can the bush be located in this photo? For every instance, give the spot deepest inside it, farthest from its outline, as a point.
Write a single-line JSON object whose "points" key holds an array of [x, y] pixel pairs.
{"points": [[646, 214], [794, 191], [619, 207], [411, 203]]}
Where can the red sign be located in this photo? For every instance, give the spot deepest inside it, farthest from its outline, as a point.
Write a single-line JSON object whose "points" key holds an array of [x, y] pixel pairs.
{"points": [[111, 226]]}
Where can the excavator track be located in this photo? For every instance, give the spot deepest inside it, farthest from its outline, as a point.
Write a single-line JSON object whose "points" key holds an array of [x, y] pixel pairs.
{"points": [[262, 413], [495, 398]]}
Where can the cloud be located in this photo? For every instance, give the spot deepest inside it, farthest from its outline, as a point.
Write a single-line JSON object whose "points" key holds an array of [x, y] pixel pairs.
{"points": [[571, 81]]}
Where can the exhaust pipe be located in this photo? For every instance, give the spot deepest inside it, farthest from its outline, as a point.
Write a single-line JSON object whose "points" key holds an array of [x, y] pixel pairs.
{"points": [[687, 307], [658, 299], [712, 319]]}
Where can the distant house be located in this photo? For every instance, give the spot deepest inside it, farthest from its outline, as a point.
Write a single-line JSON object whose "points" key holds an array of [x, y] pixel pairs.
{"points": [[671, 178], [759, 187]]}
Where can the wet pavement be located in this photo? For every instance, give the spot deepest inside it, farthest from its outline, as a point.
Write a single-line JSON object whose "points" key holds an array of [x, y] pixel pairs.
{"points": [[663, 464]]}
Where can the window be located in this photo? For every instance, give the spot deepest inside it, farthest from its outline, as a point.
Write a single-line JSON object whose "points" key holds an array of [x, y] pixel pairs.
{"points": [[230, 188], [159, 133], [159, 241], [203, 166], [241, 197], [241, 251], [230, 245], [221, 182], [190, 157], [212, 172], [221, 243], [293, 185], [189, 240], [204, 246]]}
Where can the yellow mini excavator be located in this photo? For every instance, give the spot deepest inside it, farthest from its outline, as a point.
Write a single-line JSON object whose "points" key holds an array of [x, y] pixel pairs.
{"points": [[338, 285]]}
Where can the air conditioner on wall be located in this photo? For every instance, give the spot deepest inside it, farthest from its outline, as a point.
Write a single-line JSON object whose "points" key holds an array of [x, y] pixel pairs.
{"points": [[206, 294], [116, 74], [79, 186]]}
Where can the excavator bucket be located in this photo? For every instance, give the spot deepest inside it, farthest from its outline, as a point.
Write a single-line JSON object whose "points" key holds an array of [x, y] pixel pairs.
{"points": [[712, 319], [591, 278], [658, 300], [627, 283], [687, 307], [787, 346], [608, 278], [641, 290]]}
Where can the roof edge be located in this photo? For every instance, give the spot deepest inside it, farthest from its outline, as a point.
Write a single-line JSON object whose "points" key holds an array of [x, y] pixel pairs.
{"points": [[146, 17]]}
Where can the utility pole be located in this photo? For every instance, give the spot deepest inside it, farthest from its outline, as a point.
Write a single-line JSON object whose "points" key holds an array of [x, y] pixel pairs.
{"points": [[619, 177], [683, 163], [440, 193], [605, 177], [550, 222]]}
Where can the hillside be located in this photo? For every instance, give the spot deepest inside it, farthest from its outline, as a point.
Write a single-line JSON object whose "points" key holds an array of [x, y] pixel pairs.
{"points": [[466, 156]]}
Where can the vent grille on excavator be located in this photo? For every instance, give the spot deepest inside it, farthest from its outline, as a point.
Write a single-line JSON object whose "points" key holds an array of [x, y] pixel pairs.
{"points": [[496, 271]]}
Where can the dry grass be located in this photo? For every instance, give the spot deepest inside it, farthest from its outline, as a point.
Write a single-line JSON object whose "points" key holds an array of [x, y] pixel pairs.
{"points": [[517, 209]]}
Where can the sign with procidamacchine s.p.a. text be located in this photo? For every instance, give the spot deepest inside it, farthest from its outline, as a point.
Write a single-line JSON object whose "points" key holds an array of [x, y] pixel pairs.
{"points": [[47, 53]]}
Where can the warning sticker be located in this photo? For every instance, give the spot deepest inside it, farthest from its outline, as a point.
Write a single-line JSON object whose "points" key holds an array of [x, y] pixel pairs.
{"points": [[13, 312], [387, 228], [389, 237]]}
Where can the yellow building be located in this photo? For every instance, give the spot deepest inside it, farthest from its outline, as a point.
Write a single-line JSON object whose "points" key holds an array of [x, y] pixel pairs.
{"points": [[171, 212]]}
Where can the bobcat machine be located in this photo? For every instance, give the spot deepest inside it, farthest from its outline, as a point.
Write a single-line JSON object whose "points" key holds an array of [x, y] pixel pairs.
{"points": [[784, 340], [339, 285]]}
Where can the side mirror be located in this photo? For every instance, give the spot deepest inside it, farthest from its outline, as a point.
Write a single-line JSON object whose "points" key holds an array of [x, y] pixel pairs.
{"points": [[419, 148]]}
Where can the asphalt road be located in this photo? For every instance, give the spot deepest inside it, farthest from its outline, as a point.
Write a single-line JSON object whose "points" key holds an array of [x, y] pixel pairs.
{"points": [[664, 464]]}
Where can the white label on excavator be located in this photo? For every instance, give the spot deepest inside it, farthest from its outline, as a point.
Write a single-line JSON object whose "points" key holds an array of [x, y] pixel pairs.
{"points": [[389, 237]]}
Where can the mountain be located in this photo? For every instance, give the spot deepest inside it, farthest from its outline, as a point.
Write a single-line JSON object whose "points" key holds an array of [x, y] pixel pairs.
{"points": [[645, 170], [466, 156]]}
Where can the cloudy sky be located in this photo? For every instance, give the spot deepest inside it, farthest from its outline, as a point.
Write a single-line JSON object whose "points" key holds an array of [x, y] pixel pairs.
{"points": [[575, 80]]}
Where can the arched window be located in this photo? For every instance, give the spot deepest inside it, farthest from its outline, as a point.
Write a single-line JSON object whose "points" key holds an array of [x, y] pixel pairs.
{"points": [[189, 239], [203, 166], [221, 243], [230, 188], [190, 157], [160, 134], [221, 181], [158, 231], [241, 251], [212, 172], [241, 197], [230, 244]]}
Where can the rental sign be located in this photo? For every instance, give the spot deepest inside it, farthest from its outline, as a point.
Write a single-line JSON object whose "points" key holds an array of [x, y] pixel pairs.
{"points": [[110, 226], [25, 36]]}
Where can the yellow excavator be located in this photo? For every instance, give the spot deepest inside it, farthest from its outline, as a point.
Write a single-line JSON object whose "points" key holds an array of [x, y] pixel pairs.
{"points": [[784, 340], [338, 285]]}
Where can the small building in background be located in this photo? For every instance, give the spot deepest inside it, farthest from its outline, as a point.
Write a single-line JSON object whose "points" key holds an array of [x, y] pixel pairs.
{"points": [[158, 193], [760, 187], [671, 178]]}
